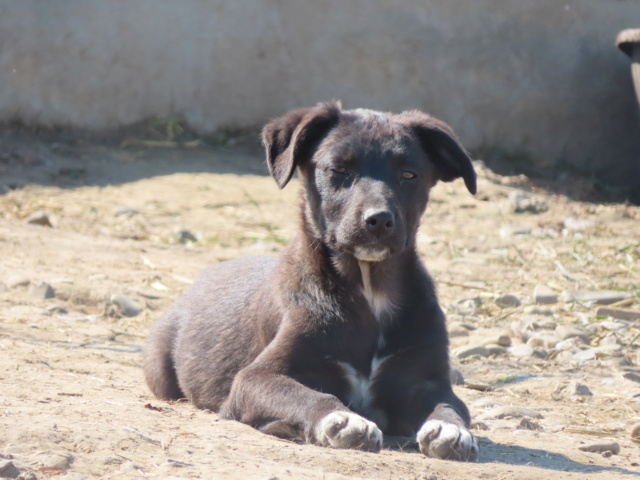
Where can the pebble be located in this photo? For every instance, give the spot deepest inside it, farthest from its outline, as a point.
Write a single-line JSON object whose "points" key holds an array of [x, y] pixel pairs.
{"points": [[537, 310], [8, 469], [19, 281], [635, 431], [507, 411], [621, 313], [528, 424], [57, 460], [56, 309], [543, 295], [576, 224], [633, 376], [121, 211], [592, 353], [468, 306], [42, 291], [127, 305], [601, 447], [185, 236], [39, 218], [521, 350], [508, 301], [576, 388], [469, 351], [456, 377], [522, 202], [507, 231], [600, 297], [541, 340], [456, 329], [502, 341], [565, 332]]}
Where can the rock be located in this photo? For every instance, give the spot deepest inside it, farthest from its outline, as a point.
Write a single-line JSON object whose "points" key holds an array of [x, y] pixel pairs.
{"points": [[476, 425], [502, 341], [127, 305], [635, 431], [57, 460], [507, 411], [576, 388], [8, 469], [633, 376], [592, 353], [469, 351], [19, 281], [601, 447], [621, 313], [122, 211], [507, 231], [521, 350], [539, 340], [456, 377], [186, 236], [528, 424], [565, 332], [42, 291], [576, 224], [538, 310], [508, 301], [523, 202], [467, 306], [601, 297], [456, 329], [543, 295], [39, 218], [56, 309]]}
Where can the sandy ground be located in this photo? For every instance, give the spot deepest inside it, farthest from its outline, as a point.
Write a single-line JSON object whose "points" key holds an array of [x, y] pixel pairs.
{"points": [[73, 403]]}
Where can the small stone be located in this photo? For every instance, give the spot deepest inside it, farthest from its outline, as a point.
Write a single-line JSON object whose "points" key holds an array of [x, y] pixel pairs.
{"points": [[538, 310], [507, 411], [539, 340], [19, 281], [508, 301], [42, 291], [127, 305], [507, 231], [456, 377], [601, 447], [522, 202], [543, 295], [39, 218], [601, 297], [576, 224], [528, 424], [457, 330], [57, 460], [565, 332], [477, 425], [186, 236], [467, 306], [502, 341], [521, 351], [576, 388], [57, 310], [8, 469], [621, 313], [122, 211], [469, 351], [635, 431], [633, 376]]}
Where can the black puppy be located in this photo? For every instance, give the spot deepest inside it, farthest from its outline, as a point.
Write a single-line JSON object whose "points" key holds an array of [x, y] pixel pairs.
{"points": [[341, 336]]}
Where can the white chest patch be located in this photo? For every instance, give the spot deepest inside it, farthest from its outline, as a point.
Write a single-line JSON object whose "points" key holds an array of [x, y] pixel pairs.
{"points": [[360, 385], [378, 301]]}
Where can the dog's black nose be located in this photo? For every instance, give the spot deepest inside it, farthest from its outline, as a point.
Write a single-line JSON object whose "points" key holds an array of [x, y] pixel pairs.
{"points": [[379, 222]]}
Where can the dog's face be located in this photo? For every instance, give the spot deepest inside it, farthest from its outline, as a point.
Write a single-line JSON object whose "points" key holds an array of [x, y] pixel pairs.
{"points": [[367, 174]]}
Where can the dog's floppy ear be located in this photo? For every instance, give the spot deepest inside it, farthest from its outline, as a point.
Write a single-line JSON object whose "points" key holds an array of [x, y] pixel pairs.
{"points": [[442, 146], [291, 138]]}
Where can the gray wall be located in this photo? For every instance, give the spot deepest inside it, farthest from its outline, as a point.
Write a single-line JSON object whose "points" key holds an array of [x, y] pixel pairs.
{"points": [[537, 76]]}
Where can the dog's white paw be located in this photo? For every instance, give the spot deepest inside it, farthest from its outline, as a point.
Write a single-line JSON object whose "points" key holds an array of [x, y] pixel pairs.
{"points": [[440, 439], [348, 430]]}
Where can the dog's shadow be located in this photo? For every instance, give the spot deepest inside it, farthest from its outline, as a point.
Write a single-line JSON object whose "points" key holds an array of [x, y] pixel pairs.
{"points": [[491, 452]]}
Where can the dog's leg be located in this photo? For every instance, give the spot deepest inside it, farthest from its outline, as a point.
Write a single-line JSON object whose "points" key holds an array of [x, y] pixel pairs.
{"points": [[444, 435], [279, 405]]}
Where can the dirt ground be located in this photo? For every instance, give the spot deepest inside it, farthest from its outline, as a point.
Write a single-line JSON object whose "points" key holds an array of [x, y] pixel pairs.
{"points": [[93, 221]]}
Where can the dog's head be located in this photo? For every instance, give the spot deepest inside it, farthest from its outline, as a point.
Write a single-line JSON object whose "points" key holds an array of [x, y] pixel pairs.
{"points": [[367, 174]]}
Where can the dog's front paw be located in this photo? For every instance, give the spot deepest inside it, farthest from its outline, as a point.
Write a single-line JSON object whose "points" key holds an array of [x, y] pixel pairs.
{"points": [[348, 430], [440, 439]]}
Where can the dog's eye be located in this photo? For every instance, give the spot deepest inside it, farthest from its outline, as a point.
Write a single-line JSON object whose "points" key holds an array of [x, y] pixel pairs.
{"points": [[339, 169], [408, 175]]}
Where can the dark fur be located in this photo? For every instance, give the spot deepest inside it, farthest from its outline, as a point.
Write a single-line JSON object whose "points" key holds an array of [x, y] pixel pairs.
{"points": [[263, 340]]}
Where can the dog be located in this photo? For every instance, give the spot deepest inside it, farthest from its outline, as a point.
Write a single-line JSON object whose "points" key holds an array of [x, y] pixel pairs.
{"points": [[341, 337]]}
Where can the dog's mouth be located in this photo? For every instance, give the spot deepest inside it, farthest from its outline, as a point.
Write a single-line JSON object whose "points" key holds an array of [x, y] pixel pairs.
{"points": [[367, 254]]}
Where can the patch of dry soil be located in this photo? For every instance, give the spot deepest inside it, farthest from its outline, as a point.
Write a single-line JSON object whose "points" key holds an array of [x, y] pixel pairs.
{"points": [[73, 402]]}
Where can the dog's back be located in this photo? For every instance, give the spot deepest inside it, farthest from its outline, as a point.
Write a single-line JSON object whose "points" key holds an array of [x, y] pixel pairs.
{"points": [[223, 298]]}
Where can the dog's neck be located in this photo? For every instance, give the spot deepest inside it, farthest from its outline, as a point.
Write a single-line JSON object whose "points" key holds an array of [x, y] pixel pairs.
{"points": [[379, 301]]}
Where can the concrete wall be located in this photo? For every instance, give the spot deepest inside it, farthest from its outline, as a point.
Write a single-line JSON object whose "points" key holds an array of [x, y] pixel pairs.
{"points": [[538, 76]]}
